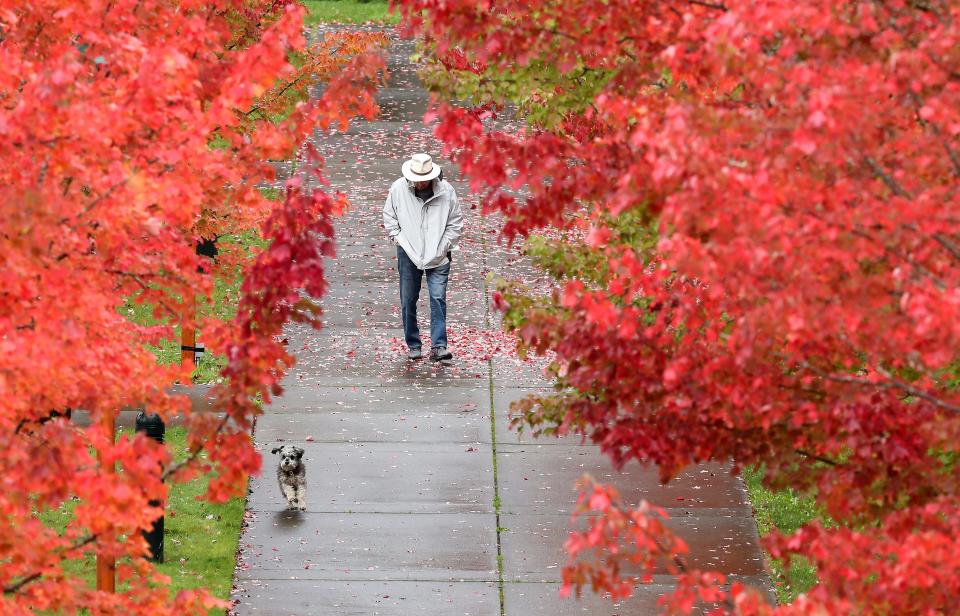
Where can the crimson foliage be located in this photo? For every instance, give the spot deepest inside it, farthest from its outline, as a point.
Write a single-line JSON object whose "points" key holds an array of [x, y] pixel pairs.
{"points": [[129, 130], [797, 308]]}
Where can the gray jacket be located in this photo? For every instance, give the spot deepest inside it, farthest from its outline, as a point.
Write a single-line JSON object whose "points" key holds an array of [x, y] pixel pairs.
{"points": [[426, 230]]}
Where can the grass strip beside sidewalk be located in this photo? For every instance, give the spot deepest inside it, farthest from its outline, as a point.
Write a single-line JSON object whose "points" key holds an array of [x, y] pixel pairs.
{"points": [[348, 12], [784, 511], [200, 538]]}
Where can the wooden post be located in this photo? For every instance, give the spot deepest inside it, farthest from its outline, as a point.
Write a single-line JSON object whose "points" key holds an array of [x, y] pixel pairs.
{"points": [[107, 565], [188, 342]]}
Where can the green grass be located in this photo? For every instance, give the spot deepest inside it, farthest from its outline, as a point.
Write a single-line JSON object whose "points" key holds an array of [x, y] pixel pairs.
{"points": [[226, 294], [272, 194], [785, 511], [348, 12], [200, 538]]}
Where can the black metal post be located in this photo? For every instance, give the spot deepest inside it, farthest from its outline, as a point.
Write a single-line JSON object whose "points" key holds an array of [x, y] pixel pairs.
{"points": [[206, 247], [153, 427]]}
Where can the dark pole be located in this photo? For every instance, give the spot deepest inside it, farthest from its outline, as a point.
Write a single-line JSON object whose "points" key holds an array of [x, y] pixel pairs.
{"points": [[206, 247], [153, 427]]}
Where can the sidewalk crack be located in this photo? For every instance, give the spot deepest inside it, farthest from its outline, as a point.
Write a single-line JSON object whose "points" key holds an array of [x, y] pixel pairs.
{"points": [[493, 431]]}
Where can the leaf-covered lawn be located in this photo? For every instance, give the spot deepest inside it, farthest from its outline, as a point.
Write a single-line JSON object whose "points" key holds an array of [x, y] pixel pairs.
{"points": [[785, 511], [348, 11]]}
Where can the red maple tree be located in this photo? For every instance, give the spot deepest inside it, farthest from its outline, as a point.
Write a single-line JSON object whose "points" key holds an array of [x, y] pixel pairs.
{"points": [[769, 194], [129, 130]]}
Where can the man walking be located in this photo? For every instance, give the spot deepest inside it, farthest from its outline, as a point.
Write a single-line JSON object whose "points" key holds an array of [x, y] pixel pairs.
{"points": [[423, 217]]}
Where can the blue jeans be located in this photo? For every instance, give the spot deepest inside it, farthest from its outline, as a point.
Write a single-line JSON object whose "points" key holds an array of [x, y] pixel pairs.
{"points": [[410, 282]]}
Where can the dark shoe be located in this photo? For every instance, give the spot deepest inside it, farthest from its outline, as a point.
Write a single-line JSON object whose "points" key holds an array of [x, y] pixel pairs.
{"points": [[414, 354], [440, 354]]}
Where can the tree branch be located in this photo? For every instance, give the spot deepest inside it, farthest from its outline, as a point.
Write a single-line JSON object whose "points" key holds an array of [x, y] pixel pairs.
{"points": [[886, 178], [710, 5], [951, 154], [816, 457], [277, 96], [173, 468], [14, 587], [891, 383], [105, 195], [918, 393], [136, 277], [888, 248], [947, 243]]}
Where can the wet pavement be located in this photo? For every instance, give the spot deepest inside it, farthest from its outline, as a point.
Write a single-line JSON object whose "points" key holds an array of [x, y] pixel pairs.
{"points": [[420, 498]]}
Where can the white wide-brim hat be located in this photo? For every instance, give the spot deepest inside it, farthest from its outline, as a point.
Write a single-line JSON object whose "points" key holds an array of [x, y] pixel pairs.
{"points": [[420, 168]]}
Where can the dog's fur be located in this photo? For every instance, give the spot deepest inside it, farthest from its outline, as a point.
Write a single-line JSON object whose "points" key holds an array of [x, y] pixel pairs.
{"points": [[292, 475]]}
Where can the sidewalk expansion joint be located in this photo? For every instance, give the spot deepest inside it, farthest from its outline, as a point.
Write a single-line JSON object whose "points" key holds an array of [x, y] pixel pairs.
{"points": [[496, 489], [493, 429], [355, 580]]}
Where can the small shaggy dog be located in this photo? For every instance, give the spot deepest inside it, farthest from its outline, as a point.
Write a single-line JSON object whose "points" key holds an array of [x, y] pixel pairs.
{"points": [[292, 475]]}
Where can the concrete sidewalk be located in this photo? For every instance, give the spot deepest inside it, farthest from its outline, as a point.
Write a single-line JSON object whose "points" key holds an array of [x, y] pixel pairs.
{"points": [[420, 499]]}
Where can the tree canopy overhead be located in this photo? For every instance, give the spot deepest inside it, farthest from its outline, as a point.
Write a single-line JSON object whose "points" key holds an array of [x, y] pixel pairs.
{"points": [[129, 131], [769, 194]]}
